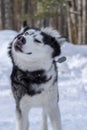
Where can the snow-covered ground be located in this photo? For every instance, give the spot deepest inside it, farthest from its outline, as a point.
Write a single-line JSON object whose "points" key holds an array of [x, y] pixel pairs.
{"points": [[72, 88]]}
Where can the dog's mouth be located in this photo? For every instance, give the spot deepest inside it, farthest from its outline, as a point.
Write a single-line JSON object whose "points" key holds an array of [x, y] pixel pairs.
{"points": [[20, 41], [29, 53], [18, 47]]}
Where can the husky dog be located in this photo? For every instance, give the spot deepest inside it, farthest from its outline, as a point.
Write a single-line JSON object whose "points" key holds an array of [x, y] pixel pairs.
{"points": [[34, 75]]}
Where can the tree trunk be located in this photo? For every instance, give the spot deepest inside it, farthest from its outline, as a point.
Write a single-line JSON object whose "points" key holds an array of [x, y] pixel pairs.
{"points": [[79, 22], [7, 14], [3, 14], [0, 16], [71, 22], [84, 22]]}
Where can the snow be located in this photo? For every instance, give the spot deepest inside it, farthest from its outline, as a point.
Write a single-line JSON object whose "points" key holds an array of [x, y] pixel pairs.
{"points": [[72, 88]]}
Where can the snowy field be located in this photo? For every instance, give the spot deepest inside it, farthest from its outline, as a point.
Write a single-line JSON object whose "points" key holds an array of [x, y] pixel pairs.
{"points": [[72, 88]]}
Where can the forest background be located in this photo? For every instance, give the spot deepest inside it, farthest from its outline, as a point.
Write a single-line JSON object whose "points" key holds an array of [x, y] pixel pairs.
{"points": [[67, 16]]}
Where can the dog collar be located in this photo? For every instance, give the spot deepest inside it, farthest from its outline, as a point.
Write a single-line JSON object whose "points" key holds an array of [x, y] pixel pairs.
{"points": [[61, 59]]}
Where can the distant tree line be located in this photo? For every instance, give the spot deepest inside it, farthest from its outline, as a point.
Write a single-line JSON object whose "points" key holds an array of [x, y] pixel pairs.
{"points": [[67, 16]]}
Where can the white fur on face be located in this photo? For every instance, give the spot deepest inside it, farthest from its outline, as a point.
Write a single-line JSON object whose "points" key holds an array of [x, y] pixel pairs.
{"points": [[41, 54]]}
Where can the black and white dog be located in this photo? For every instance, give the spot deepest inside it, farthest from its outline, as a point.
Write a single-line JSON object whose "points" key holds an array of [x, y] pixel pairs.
{"points": [[34, 75]]}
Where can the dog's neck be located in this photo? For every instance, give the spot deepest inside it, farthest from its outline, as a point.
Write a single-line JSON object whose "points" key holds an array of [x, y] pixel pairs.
{"points": [[26, 79], [36, 76], [31, 64]]}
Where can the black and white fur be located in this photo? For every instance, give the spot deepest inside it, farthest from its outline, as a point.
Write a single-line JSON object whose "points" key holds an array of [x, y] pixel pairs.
{"points": [[34, 75]]}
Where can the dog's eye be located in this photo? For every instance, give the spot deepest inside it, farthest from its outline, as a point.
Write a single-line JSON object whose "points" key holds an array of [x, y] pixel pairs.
{"points": [[36, 40], [26, 33]]}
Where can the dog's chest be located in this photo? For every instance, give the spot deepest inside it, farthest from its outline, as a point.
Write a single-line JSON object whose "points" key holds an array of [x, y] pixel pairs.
{"points": [[39, 100], [30, 83]]}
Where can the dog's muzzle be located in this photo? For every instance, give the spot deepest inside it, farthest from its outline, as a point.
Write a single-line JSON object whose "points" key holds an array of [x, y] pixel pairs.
{"points": [[19, 43]]}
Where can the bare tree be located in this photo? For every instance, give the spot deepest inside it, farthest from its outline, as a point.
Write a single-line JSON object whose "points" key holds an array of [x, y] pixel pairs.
{"points": [[7, 14], [84, 21], [0, 16]]}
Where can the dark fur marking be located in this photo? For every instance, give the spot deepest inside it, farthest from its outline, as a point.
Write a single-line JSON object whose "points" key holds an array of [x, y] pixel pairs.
{"points": [[22, 82], [49, 40], [56, 73], [10, 52]]}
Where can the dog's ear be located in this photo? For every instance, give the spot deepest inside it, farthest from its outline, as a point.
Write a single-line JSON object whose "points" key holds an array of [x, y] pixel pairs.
{"points": [[24, 26], [56, 40]]}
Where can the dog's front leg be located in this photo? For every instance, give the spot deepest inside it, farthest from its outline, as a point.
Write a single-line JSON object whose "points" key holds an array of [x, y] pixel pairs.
{"points": [[21, 120], [44, 125], [54, 114]]}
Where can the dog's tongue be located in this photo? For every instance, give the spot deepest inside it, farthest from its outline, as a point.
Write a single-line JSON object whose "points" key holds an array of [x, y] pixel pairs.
{"points": [[61, 59]]}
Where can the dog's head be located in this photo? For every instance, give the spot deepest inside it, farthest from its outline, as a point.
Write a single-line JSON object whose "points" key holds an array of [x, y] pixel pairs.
{"points": [[33, 48]]}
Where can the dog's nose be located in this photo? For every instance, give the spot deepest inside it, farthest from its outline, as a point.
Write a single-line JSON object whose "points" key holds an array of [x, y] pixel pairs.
{"points": [[21, 40]]}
